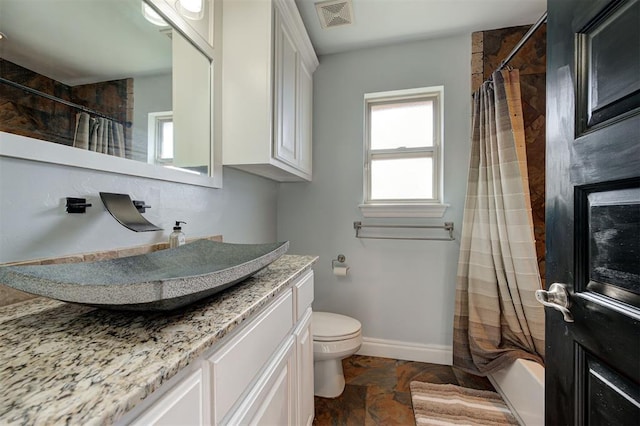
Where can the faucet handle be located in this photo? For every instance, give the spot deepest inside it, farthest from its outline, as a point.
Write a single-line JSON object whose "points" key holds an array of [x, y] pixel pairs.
{"points": [[140, 206], [77, 205]]}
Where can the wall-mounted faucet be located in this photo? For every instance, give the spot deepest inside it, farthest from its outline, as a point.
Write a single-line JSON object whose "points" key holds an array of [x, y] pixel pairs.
{"points": [[127, 213]]}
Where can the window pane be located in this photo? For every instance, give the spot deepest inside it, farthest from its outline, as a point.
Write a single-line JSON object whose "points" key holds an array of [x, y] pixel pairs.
{"points": [[402, 179], [166, 148], [406, 124]]}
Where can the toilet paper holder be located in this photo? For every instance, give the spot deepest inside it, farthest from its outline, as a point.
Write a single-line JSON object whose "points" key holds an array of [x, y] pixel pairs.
{"points": [[340, 259], [338, 267]]}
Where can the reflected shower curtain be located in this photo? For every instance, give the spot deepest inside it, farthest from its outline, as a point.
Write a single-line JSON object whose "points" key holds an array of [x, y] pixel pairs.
{"points": [[99, 135], [497, 318]]}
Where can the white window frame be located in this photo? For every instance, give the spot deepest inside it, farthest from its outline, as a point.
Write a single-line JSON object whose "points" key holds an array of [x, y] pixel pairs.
{"points": [[433, 207], [154, 134]]}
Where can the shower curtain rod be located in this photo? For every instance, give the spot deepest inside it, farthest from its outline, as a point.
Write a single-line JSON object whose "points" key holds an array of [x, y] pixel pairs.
{"points": [[522, 41], [56, 99]]}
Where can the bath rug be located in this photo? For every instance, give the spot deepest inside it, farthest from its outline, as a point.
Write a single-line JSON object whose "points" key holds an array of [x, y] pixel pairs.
{"points": [[454, 405]]}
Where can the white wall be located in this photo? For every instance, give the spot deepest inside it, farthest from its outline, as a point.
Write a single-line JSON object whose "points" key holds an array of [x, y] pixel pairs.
{"points": [[152, 94], [400, 290], [34, 224]]}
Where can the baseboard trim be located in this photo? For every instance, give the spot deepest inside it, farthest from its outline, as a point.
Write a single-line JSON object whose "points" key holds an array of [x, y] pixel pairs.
{"points": [[435, 354]]}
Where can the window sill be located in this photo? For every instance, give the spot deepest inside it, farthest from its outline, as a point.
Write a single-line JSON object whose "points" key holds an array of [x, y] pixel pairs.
{"points": [[403, 210]]}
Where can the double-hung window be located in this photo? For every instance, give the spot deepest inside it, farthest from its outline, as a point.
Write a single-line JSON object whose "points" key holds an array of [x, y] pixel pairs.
{"points": [[403, 153], [160, 138]]}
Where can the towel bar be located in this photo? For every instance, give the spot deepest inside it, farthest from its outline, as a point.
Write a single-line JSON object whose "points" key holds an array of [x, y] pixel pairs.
{"points": [[448, 226]]}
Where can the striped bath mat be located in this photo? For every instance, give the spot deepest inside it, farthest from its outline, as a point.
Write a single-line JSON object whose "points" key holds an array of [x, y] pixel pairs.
{"points": [[454, 405]]}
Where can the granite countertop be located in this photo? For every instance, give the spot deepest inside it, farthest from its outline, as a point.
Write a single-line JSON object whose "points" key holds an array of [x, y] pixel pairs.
{"points": [[72, 364]]}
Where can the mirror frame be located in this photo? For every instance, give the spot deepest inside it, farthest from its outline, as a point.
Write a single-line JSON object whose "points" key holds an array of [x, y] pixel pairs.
{"points": [[16, 146]]}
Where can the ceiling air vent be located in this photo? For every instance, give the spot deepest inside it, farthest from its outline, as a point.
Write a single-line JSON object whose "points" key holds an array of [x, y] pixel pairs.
{"points": [[335, 13]]}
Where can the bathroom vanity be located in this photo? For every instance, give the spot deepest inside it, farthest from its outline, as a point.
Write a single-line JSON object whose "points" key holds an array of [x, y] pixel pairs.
{"points": [[242, 356]]}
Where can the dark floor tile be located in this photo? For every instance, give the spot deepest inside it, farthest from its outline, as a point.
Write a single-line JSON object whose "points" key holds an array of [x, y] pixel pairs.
{"points": [[408, 371], [348, 409], [471, 381], [363, 361], [389, 408], [365, 370], [377, 391]]}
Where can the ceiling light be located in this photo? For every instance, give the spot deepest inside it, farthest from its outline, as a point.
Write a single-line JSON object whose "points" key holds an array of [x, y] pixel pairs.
{"points": [[2, 36], [192, 9], [194, 6], [153, 16]]}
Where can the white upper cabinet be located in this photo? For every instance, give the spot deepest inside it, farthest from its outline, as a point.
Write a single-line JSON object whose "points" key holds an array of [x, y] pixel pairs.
{"points": [[267, 67]]}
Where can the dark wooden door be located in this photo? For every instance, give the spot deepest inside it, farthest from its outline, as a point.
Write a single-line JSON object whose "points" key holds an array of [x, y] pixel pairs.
{"points": [[593, 211]]}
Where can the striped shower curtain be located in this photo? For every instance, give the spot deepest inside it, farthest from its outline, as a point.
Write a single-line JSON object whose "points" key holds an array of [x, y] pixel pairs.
{"points": [[497, 318], [99, 135]]}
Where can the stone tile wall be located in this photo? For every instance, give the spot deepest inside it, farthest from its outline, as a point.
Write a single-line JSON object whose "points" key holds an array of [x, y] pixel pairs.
{"points": [[489, 48], [30, 115], [9, 295], [112, 98], [37, 117]]}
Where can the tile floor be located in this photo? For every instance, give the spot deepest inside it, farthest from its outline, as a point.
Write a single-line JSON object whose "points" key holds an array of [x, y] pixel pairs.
{"points": [[377, 391]]}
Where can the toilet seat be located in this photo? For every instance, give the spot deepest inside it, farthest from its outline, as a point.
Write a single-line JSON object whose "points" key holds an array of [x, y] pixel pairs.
{"points": [[330, 327]]}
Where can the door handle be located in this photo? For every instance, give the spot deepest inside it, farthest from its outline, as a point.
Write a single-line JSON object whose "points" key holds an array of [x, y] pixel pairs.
{"points": [[557, 298]]}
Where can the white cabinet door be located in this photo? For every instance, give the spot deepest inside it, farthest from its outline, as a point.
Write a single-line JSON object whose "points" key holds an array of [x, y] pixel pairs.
{"points": [[277, 407], [237, 364], [182, 405], [304, 355], [272, 400], [285, 87], [304, 129]]}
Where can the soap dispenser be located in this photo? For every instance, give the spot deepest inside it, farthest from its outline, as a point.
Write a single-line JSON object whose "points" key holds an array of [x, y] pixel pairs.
{"points": [[177, 237]]}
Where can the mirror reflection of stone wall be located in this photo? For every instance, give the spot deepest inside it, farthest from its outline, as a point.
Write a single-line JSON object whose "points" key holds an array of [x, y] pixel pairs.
{"points": [[37, 117]]}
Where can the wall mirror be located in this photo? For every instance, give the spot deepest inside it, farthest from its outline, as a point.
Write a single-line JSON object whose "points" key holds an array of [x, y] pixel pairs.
{"points": [[124, 86]]}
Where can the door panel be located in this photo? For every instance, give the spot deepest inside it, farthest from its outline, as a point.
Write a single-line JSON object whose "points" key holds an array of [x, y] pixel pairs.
{"points": [[612, 242], [611, 397], [609, 63], [593, 210], [286, 59]]}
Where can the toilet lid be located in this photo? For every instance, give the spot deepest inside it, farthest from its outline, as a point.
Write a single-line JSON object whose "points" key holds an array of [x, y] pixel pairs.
{"points": [[328, 326]]}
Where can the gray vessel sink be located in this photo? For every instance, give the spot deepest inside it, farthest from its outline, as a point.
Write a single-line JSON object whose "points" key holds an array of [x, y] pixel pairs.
{"points": [[162, 280]]}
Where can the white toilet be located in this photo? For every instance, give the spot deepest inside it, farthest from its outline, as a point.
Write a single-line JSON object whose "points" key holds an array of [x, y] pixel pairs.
{"points": [[335, 337]]}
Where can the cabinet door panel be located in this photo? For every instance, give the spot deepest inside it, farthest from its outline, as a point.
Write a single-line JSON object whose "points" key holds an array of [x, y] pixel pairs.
{"points": [[272, 400], [286, 59], [242, 359], [304, 340], [304, 294], [276, 408], [305, 117], [182, 405]]}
